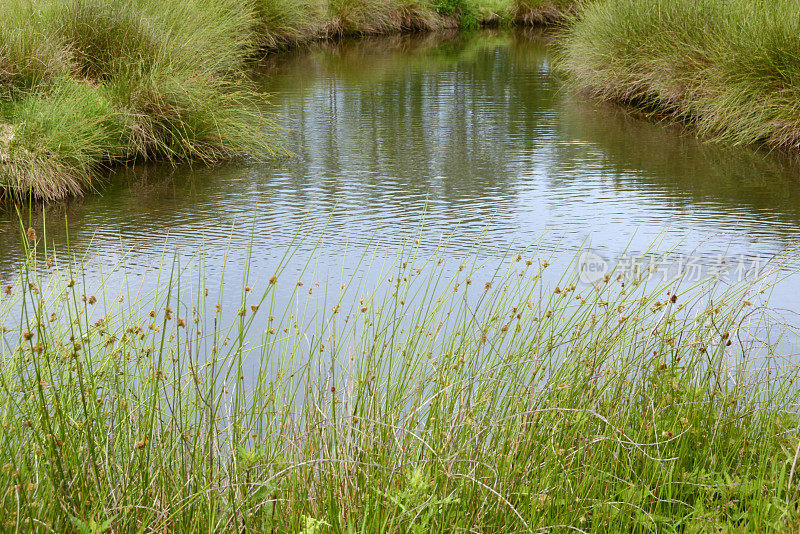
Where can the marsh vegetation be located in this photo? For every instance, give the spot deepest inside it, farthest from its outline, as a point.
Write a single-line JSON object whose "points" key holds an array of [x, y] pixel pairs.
{"points": [[431, 390], [729, 69], [432, 396]]}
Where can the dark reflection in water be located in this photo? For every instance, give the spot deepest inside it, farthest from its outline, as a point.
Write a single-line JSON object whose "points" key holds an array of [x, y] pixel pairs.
{"points": [[471, 129]]}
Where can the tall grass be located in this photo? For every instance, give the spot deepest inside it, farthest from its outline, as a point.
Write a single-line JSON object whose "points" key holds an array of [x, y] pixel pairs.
{"points": [[284, 23], [542, 12], [424, 395], [89, 83], [729, 68]]}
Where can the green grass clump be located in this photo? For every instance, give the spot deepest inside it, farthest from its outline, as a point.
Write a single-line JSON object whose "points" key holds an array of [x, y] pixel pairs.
{"points": [[542, 12], [27, 60], [466, 12], [373, 17], [59, 136], [439, 397], [91, 83], [283, 23], [729, 68]]}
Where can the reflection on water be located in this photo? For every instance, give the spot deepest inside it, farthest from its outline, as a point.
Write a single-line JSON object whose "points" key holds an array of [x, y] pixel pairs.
{"points": [[473, 131]]}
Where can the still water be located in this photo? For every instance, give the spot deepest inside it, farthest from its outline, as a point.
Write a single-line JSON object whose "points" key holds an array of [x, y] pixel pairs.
{"points": [[475, 133]]}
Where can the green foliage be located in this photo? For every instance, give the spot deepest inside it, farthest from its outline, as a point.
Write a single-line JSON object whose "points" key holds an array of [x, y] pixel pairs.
{"points": [[466, 12], [92, 527]]}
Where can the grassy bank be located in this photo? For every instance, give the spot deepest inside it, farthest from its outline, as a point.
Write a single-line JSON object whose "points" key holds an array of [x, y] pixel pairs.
{"points": [[284, 23], [88, 84], [441, 397], [91, 83], [728, 68]]}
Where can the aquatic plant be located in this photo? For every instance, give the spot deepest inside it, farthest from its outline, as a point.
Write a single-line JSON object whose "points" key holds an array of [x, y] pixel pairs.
{"points": [[429, 394]]}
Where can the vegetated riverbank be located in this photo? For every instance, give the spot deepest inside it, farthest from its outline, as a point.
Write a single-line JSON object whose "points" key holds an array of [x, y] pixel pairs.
{"points": [[728, 68], [443, 398], [91, 83], [86, 84]]}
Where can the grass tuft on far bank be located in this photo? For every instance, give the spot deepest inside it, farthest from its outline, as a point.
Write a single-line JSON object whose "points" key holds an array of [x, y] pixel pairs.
{"points": [[728, 68], [543, 12]]}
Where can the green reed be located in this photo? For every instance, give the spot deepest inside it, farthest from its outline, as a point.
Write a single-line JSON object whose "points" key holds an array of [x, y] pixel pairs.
{"points": [[422, 393]]}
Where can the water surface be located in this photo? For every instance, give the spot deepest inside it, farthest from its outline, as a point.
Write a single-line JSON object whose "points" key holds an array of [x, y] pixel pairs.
{"points": [[474, 131]]}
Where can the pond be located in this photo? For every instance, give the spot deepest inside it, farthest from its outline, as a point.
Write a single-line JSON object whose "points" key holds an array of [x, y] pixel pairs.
{"points": [[468, 135]]}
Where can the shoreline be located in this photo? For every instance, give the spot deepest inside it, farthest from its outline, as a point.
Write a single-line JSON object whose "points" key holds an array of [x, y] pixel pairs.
{"points": [[90, 85]]}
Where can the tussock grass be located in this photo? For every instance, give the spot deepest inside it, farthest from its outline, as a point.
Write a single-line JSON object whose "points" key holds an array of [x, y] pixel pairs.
{"points": [[90, 83], [374, 17], [729, 68], [544, 12], [284, 23], [57, 137], [27, 59], [440, 396]]}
